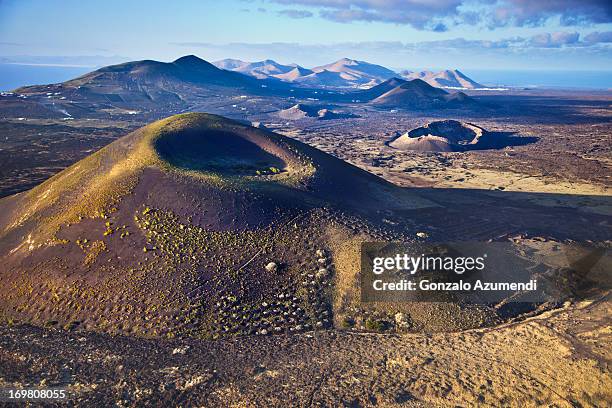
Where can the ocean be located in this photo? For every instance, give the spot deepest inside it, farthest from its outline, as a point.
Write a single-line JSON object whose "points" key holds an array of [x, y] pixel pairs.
{"points": [[15, 75], [542, 79]]}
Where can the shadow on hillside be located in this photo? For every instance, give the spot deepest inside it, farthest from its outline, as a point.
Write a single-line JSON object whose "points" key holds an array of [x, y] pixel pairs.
{"points": [[558, 109], [499, 140], [477, 214]]}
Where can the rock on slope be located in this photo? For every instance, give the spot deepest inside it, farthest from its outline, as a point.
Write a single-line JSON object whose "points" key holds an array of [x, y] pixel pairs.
{"points": [[301, 111]]}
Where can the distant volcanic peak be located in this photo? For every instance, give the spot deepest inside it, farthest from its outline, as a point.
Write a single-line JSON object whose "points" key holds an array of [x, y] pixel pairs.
{"points": [[440, 136], [325, 79], [334, 66], [345, 62], [151, 66], [419, 94], [190, 60], [192, 64], [133, 66], [450, 78], [360, 72], [422, 85], [362, 66], [415, 93], [270, 65], [230, 64], [296, 73], [258, 69], [381, 88], [157, 82]]}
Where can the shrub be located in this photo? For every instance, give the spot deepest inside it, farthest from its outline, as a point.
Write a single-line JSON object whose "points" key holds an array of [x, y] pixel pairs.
{"points": [[375, 325], [348, 322]]}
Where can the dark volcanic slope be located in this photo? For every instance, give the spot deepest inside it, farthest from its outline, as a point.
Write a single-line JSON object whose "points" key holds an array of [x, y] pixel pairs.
{"points": [[169, 229], [380, 89], [188, 69], [140, 77], [419, 94]]}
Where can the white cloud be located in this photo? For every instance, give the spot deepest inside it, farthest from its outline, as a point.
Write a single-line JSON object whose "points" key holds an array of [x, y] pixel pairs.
{"points": [[437, 15]]}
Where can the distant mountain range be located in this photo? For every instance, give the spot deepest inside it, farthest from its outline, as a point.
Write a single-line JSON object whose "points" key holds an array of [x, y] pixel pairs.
{"points": [[344, 73], [162, 87], [260, 70]]}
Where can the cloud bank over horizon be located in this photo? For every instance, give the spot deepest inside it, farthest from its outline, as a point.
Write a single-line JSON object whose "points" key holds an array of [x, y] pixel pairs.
{"points": [[398, 54], [439, 15]]}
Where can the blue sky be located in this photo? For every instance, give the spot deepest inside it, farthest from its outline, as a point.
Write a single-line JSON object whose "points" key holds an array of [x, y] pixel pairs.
{"points": [[485, 34]]}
